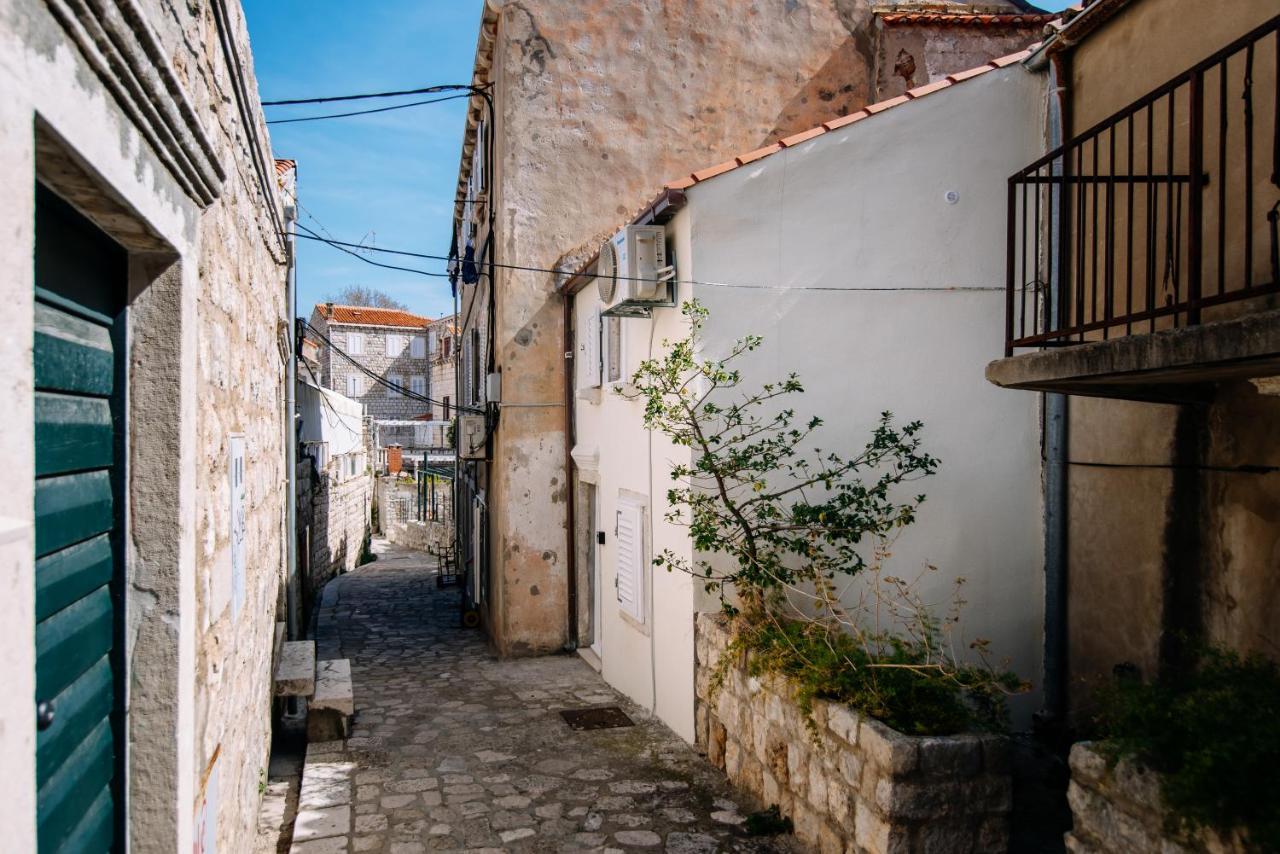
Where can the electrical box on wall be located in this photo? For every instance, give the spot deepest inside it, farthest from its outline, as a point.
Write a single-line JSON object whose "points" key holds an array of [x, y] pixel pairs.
{"points": [[472, 437], [632, 273]]}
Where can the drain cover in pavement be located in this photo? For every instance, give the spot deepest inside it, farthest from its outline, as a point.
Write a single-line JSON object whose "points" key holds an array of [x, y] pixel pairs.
{"points": [[606, 718]]}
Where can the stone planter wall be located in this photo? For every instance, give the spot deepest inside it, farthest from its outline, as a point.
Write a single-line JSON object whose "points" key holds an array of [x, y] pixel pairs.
{"points": [[423, 536], [1117, 810], [859, 787]]}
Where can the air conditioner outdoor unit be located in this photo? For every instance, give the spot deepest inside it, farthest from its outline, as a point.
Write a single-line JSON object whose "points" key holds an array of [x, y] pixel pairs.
{"points": [[472, 437], [632, 274]]}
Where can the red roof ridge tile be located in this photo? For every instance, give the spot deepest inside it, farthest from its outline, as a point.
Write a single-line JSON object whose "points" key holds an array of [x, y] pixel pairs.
{"points": [[686, 181]]}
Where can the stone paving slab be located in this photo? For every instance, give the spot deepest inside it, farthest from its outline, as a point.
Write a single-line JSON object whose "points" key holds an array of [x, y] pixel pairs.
{"points": [[454, 750]]}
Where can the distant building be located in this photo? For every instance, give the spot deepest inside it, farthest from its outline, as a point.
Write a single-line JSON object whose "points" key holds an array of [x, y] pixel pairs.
{"points": [[442, 339], [372, 343]]}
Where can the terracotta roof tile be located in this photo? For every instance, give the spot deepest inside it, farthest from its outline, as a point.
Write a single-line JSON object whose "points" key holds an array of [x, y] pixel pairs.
{"points": [[283, 166], [367, 316], [744, 159], [718, 169], [836, 124], [948, 19], [803, 136], [843, 121], [928, 88], [885, 105], [961, 76]]}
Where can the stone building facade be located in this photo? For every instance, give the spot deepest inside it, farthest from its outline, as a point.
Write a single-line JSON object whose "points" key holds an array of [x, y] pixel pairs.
{"points": [[388, 342], [333, 524], [135, 168], [575, 89], [442, 344]]}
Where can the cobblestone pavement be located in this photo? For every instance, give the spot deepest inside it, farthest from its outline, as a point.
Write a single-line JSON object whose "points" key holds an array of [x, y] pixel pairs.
{"points": [[454, 749]]}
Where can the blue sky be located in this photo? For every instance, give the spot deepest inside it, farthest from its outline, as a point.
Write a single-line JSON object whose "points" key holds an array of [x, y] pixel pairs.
{"points": [[386, 179]]}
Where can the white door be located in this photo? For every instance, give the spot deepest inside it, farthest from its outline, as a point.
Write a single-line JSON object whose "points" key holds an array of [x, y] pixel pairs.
{"points": [[593, 513]]}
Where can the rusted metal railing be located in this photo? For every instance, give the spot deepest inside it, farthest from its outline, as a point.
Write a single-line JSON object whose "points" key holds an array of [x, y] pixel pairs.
{"points": [[1163, 215]]}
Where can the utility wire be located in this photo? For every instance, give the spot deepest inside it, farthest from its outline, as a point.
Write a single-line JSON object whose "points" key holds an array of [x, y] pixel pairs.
{"points": [[368, 112], [342, 248], [426, 90], [338, 244]]}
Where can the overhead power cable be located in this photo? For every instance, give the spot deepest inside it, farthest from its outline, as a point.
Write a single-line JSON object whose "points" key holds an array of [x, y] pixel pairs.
{"points": [[368, 112], [426, 90], [342, 248], [338, 244]]}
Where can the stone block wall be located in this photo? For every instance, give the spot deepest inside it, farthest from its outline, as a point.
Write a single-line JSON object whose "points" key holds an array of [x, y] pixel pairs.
{"points": [[423, 536], [1117, 809], [333, 519], [855, 786]]}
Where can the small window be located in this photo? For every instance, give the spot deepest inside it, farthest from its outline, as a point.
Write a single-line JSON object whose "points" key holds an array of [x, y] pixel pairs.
{"points": [[395, 345], [613, 347], [355, 343], [418, 347], [395, 380], [355, 386], [418, 385], [629, 551], [446, 408], [444, 347], [589, 352]]}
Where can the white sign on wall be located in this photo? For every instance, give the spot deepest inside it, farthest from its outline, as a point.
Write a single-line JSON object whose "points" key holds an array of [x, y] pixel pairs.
{"points": [[238, 521]]}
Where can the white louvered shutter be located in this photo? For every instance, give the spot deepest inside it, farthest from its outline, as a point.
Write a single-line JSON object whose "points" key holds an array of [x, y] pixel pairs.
{"points": [[629, 546], [589, 352]]}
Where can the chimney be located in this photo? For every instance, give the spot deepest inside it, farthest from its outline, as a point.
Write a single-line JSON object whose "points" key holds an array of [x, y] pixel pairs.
{"points": [[394, 459]]}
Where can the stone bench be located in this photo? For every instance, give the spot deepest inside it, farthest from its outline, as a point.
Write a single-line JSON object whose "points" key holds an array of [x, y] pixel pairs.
{"points": [[333, 702], [296, 670]]}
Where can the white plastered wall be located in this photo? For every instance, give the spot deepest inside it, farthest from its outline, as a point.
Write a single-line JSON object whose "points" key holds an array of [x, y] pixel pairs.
{"points": [[653, 659], [885, 293]]}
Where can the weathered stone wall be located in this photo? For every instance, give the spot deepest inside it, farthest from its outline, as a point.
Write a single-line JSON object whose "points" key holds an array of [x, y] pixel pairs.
{"points": [[915, 55], [578, 92], [240, 304], [1118, 810], [423, 536], [333, 520], [855, 786]]}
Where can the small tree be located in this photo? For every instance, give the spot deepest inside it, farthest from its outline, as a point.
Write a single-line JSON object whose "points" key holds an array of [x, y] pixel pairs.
{"points": [[780, 514], [779, 524], [365, 296]]}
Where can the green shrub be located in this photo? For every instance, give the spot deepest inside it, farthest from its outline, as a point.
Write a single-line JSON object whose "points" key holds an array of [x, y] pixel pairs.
{"points": [[1214, 737], [908, 684]]}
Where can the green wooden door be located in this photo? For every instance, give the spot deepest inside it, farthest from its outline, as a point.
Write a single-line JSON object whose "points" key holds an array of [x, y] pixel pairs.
{"points": [[80, 277]]}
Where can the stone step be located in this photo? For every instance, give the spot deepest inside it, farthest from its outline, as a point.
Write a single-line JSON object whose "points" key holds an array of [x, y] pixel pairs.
{"points": [[296, 671], [333, 703]]}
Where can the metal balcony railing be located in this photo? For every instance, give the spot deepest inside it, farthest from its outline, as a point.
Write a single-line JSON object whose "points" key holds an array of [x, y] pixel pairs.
{"points": [[1163, 215]]}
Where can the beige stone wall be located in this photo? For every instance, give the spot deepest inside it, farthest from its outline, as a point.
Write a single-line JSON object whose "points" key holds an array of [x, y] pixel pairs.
{"points": [[333, 520], [854, 786], [608, 106], [1173, 509], [1118, 810], [239, 388]]}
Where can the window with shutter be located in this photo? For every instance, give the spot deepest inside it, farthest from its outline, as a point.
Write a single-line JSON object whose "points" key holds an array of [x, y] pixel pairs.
{"points": [[629, 549], [614, 349], [355, 344], [354, 388], [589, 352], [421, 345], [476, 379], [395, 380], [418, 385]]}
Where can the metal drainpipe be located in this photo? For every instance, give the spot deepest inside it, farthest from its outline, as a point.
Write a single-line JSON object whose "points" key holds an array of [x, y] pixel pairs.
{"points": [[1055, 451], [291, 426], [571, 552]]}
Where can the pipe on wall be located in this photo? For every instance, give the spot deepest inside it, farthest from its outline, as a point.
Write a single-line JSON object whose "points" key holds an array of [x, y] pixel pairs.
{"points": [[291, 422], [571, 551], [1056, 437]]}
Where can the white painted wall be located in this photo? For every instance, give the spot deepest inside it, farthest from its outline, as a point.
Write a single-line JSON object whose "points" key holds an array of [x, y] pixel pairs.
{"points": [[814, 229], [655, 658]]}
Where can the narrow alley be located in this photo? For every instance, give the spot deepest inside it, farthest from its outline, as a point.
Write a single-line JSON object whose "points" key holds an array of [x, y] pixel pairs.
{"points": [[452, 748]]}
